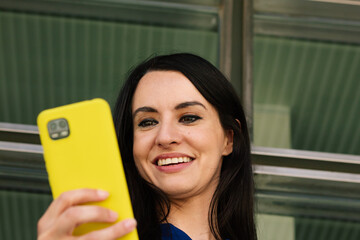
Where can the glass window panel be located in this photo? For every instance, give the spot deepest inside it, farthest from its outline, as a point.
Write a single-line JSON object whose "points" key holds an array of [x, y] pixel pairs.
{"points": [[20, 212], [295, 205], [48, 60], [306, 78], [306, 94], [326, 229]]}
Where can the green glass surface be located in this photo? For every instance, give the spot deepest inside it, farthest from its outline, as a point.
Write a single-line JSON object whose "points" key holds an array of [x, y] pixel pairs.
{"points": [[47, 61], [326, 229], [306, 94], [280, 227], [20, 212]]}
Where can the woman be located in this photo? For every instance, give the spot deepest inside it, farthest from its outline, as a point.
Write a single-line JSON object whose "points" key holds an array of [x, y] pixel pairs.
{"points": [[186, 153]]}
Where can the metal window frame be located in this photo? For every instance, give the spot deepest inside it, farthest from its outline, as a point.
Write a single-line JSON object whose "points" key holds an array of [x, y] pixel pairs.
{"points": [[316, 20], [235, 55], [309, 8], [172, 14]]}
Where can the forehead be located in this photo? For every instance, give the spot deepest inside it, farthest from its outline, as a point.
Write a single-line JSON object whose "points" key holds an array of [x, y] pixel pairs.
{"points": [[165, 88]]}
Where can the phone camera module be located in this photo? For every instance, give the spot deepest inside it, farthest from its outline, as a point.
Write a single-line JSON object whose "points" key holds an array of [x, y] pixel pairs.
{"points": [[58, 129]]}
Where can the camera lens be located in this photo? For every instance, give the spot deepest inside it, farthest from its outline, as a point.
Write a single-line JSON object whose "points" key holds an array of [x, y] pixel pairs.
{"points": [[62, 124], [53, 126]]}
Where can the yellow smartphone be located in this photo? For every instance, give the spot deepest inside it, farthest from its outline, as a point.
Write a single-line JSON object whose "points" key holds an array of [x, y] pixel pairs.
{"points": [[81, 151]]}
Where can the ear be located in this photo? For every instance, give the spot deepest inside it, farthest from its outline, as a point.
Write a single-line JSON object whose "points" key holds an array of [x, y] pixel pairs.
{"points": [[238, 121], [229, 142]]}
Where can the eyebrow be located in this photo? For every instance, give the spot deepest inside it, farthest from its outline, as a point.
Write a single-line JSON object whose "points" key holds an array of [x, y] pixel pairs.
{"points": [[177, 107], [144, 109], [188, 104]]}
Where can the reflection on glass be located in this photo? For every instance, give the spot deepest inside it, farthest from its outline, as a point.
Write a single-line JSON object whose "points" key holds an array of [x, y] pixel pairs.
{"points": [[306, 94]]}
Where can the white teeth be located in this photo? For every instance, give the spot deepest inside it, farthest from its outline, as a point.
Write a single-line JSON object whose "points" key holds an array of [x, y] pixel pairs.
{"points": [[168, 161]]}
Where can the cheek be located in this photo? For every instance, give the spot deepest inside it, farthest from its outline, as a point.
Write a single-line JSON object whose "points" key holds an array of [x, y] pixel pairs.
{"points": [[141, 150], [209, 139], [214, 145], [139, 145], [136, 148], [140, 164], [208, 147]]}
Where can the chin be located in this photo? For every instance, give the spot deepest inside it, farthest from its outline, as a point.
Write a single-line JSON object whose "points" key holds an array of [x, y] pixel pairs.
{"points": [[177, 191]]}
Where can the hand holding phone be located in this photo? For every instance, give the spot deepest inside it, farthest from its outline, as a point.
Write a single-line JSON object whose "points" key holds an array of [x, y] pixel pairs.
{"points": [[68, 211]]}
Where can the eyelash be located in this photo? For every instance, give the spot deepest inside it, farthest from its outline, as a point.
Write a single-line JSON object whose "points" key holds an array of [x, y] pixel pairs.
{"points": [[186, 119], [147, 123], [192, 119]]}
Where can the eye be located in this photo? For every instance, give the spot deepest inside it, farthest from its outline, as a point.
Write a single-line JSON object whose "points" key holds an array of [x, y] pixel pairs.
{"points": [[189, 118], [147, 123]]}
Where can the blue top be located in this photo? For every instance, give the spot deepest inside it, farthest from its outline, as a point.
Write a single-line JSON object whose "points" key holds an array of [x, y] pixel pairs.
{"points": [[170, 232]]}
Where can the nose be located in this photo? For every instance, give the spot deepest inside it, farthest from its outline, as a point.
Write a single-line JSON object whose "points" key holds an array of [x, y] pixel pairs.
{"points": [[168, 135]]}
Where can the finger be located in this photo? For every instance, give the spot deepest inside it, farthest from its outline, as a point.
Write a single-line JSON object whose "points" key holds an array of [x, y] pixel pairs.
{"points": [[75, 197], [78, 215], [115, 231], [67, 200]]}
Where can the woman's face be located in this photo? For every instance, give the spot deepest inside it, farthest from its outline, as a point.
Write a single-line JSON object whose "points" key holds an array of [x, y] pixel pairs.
{"points": [[178, 139]]}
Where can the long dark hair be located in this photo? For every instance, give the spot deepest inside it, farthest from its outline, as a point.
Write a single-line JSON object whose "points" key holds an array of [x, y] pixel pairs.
{"points": [[231, 213]]}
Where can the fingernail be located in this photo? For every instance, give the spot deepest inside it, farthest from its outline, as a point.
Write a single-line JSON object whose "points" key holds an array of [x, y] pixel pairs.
{"points": [[102, 193], [130, 223]]}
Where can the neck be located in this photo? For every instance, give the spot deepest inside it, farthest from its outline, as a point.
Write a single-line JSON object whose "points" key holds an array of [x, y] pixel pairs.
{"points": [[191, 215]]}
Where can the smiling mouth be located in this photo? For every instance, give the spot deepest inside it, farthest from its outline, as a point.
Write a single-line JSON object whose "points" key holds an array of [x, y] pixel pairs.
{"points": [[173, 161]]}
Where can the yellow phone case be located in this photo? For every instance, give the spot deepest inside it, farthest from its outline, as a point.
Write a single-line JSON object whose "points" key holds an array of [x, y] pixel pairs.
{"points": [[85, 156]]}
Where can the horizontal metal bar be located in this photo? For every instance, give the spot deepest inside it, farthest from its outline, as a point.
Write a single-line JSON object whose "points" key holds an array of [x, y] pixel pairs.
{"points": [[22, 167], [179, 5], [310, 186], [21, 147], [308, 8], [307, 28], [22, 156], [173, 5], [305, 205], [22, 128], [348, 2], [24, 133], [306, 160], [308, 155], [143, 12], [308, 174]]}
